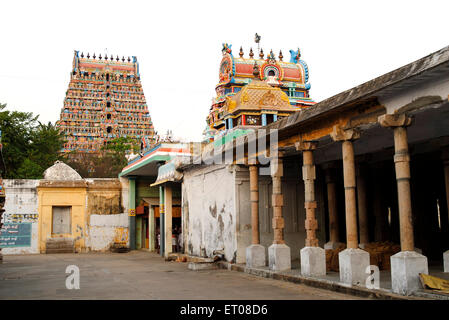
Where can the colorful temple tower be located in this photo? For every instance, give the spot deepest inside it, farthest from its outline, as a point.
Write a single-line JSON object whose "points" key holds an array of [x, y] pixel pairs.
{"points": [[257, 91], [104, 101]]}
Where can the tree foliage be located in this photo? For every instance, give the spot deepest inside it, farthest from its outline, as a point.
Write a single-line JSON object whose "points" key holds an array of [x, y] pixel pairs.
{"points": [[29, 147]]}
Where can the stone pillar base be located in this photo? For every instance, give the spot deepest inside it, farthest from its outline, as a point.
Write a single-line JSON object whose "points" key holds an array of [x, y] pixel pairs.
{"points": [[446, 261], [353, 264], [255, 256], [331, 245], [313, 261], [405, 269], [279, 257]]}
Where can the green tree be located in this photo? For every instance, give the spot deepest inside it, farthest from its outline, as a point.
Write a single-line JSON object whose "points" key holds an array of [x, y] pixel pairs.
{"points": [[29, 147], [115, 151], [46, 145], [16, 139], [29, 170]]}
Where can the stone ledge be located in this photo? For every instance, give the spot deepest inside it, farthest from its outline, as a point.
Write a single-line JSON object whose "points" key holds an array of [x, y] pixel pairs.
{"points": [[174, 255], [425, 293], [197, 266], [319, 283], [62, 184]]}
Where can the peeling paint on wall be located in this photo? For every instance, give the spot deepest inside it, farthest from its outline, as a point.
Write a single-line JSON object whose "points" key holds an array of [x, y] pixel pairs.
{"points": [[209, 196], [107, 230], [21, 207], [104, 202]]}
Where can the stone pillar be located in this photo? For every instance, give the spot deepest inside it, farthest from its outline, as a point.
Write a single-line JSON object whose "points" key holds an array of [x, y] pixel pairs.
{"points": [[255, 253], [132, 213], [139, 232], [407, 264], [279, 257], [313, 258], [151, 229], [334, 233], [362, 208], [446, 182], [162, 219], [168, 221], [353, 261]]}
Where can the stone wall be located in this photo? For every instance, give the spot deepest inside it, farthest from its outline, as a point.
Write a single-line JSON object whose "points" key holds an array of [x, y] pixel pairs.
{"points": [[21, 209], [107, 230], [106, 215], [104, 196], [208, 197], [104, 223]]}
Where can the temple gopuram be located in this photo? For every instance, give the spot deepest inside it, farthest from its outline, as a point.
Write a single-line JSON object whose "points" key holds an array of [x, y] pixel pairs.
{"points": [[104, 101], [257, 91]]}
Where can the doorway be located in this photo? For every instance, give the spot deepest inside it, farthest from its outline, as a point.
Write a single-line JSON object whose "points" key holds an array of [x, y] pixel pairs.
{"points": [[61, 220]]}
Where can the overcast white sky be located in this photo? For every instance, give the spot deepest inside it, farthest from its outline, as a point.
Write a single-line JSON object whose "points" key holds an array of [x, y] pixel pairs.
{"points": [[178, 45]]}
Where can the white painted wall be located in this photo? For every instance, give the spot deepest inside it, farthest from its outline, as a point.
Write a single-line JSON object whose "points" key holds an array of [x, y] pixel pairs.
{"points": [[103, 229], [208, 198], [21, 205]]}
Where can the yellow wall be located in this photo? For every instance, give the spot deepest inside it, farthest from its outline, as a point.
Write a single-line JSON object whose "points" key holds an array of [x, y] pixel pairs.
{"points": [[74, 197]]}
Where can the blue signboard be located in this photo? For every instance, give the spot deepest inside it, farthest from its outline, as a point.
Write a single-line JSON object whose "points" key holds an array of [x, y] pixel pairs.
{"points": [[15, 235]]}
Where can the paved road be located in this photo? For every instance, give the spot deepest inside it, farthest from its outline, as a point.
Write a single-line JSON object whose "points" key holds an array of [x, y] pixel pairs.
{"points": [[138, 275]]}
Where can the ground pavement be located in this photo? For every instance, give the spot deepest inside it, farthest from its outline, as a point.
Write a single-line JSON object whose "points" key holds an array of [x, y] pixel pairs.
{"points": [[139, 275]]}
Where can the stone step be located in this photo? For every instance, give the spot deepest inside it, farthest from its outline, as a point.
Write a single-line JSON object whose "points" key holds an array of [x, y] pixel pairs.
{"points": [[60, 250], [59, 244], [59, 240], [120, 249], [59, 247], [197, 266]]}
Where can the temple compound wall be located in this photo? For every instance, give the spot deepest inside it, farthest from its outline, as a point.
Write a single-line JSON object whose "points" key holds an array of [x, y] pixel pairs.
{"points": [[209, 208], [20, 217], [81, 215], [107, 222], [51, 216], [107, 230]]}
